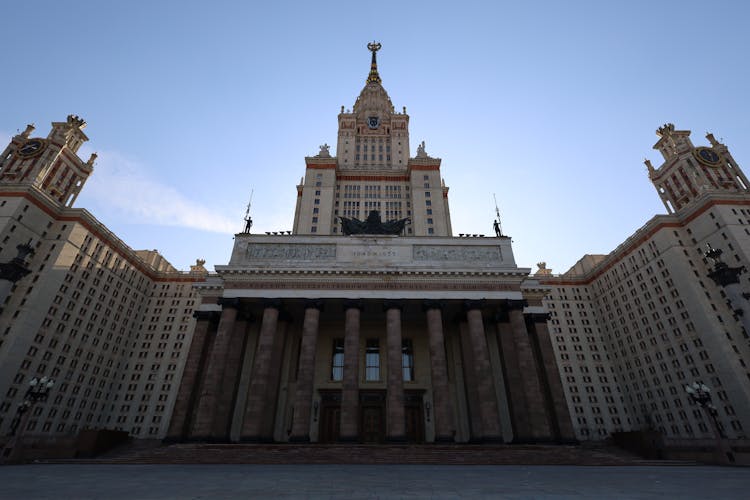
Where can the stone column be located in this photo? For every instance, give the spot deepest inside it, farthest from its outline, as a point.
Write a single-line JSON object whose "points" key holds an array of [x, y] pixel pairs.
{"points": [[514, 385], [468, 368], [179, 426], [349, 430], [442, 408], [395, 418], [252, 426], [532, 388], [488, 412], [306, 373], [203, 426], [231, 380], [274, 426], [560, 420]]}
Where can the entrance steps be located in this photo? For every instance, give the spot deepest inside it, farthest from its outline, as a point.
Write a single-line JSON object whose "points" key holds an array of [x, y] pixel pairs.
{"points": [[454, 454]]}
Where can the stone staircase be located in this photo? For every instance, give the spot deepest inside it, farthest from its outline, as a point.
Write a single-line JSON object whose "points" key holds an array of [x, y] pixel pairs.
{"points": [[457, 454]]}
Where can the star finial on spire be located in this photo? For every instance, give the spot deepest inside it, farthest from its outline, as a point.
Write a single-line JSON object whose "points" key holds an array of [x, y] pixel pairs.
{"points": [[374, 77]]}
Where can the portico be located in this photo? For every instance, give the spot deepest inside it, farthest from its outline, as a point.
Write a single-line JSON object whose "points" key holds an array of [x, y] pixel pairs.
{"points": [[369, 339]]}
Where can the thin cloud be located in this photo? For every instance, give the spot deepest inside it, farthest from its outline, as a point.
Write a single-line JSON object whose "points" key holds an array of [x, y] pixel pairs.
{"points": [[123, 186]]}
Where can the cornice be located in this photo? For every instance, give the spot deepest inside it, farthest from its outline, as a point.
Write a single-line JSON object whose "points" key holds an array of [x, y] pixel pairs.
{"points": [[81, 216], [657, 223], [228, 273]]}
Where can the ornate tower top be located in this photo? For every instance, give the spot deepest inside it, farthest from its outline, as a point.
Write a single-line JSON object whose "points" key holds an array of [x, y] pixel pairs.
{"points": [[689, 171], [374, 77]]}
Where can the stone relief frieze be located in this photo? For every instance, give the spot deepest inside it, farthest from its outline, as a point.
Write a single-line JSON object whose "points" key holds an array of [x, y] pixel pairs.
{"points": [[467, 253], [280, 251]]}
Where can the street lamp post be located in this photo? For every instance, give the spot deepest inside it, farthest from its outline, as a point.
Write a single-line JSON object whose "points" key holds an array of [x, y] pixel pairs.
{"points": [[37, 392], [700, 393]]}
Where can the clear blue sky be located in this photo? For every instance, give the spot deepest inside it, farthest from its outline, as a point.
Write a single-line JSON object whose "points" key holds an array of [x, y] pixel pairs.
{"points": [[550, 105]]}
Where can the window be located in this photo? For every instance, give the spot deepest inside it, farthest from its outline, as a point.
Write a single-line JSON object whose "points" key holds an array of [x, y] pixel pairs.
{"points": [[337, 360], [426, 194], [372, 360], [407, 360]]}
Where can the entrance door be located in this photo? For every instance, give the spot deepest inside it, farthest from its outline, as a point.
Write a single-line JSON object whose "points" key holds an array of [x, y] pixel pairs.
{"points": [[330, 424], [414, 424], [372, 424]]}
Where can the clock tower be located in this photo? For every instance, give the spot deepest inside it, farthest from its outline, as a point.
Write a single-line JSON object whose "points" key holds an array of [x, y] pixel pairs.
{"points": [[52, 164], [689, 171]]}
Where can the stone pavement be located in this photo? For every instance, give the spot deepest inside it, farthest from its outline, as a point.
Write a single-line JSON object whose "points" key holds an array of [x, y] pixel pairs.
{"points": [[134, 482]]}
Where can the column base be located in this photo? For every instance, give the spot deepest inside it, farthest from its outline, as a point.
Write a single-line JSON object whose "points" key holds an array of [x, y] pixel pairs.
{"points": [[395, 439], [299, 439], [444, 439], [493, 440], [256, 439], [203, 439], [487, 440]]}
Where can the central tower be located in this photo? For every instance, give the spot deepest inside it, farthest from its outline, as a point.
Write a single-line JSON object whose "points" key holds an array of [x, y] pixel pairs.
{"points": [[372, 170]]}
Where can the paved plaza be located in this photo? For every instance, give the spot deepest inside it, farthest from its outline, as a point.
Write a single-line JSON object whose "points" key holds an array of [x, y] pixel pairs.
{"points": [[111, 482]]}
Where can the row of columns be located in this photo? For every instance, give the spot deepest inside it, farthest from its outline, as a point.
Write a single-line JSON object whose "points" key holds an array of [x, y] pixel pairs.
{"points": [[534, 389]]}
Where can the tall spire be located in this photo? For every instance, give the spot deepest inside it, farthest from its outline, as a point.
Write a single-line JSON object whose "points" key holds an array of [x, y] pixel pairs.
{"points": [[374, 77]]}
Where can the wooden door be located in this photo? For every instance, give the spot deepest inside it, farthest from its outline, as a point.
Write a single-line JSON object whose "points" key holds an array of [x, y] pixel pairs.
{"points": [[372, 424], [414, 424], [330, 424]]}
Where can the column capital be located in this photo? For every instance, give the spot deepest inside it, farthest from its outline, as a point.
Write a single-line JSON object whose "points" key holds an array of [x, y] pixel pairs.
{"points": [[538, 317], [470, 305], [314, 304], [205, 315], [393, 304], [244, 314], [272, 303], [354, 304], [433, 304], [501, 315], [514, 304], [229, 302]]}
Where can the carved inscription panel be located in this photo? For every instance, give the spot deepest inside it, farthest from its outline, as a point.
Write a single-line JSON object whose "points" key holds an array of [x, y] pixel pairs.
{"points": [[451, 253], [280, 251]]}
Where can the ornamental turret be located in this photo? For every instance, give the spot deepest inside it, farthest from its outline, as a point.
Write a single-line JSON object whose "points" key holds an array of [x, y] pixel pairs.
{"points": [[52, 164], [689, 171]]}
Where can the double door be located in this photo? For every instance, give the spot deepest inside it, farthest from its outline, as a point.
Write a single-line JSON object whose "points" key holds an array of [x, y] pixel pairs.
{"points": [[372, 417]]}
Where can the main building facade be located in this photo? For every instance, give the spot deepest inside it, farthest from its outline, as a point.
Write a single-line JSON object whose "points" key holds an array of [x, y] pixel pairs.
{"points": [[417, 336], [355, 331]]}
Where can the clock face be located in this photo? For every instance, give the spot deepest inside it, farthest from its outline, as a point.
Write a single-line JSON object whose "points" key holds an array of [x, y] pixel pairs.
{"points": [[31, 147], [707, 156], [373, 122]]}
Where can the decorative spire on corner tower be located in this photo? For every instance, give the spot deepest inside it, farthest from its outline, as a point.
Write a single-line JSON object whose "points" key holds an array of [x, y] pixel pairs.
{"points": [[374, 77]]}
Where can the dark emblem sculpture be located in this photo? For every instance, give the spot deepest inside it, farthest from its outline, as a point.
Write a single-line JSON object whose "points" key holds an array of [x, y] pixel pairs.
{"points": [[372, 225]]}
